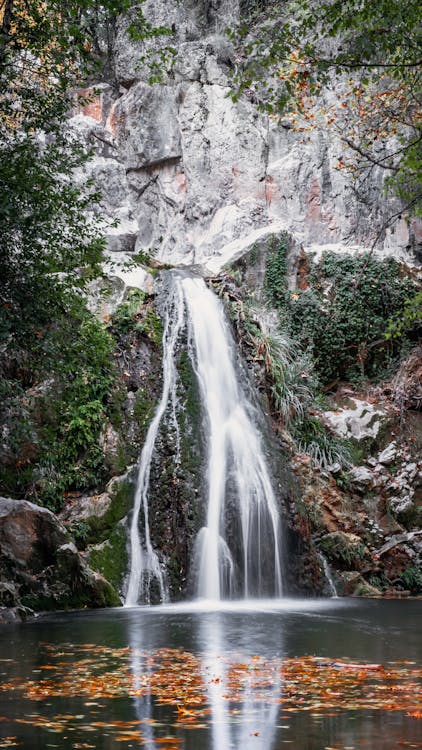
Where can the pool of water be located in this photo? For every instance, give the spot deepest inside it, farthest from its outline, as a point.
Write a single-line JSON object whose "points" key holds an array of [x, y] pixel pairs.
{"points": [[309, 674]]}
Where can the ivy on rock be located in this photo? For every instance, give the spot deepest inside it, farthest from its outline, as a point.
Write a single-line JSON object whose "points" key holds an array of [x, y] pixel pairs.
{"points": [[343, 316]]}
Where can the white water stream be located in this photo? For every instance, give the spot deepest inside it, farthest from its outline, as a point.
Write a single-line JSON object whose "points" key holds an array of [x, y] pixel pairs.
{"points": [[238, 489], [144, 563], [328, 576]]}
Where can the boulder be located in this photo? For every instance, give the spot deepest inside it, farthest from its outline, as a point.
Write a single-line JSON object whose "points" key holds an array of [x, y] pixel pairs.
{"points": [[360, 422], [361, 477], [388, 455], [40, 567], [99, 514]]}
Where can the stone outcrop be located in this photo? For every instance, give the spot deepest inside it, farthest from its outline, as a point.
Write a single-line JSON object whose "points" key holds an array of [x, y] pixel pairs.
{"points": [[196, 178], [40, 567], [99, 524]]}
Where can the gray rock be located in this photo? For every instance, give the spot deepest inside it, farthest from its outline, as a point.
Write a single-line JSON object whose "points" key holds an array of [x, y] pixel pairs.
{"points": [[361, 476], [401, 505], [388, 455], [100, 513], [196, 178], [363, 421], [143, 141], [40, 566], [8, 594]]}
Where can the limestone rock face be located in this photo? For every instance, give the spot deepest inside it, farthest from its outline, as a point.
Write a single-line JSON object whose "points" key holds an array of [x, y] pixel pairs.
{"points": [[196, 178], [363, 420], [40, 567]]}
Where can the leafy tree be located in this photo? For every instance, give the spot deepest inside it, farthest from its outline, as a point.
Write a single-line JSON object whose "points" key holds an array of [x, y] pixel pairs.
{"points": [[51, 243], [353, 66], [55, 358]]}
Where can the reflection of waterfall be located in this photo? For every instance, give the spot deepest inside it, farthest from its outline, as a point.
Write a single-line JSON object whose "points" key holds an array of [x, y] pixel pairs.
{"points": [[238, 550], [141, 674], [255, 725]]}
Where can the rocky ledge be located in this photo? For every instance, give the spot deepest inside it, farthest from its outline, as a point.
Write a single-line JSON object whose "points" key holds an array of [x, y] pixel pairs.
{"points": [[40, 567]]}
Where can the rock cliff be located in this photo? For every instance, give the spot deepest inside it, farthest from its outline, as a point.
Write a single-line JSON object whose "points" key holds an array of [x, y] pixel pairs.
{"points": [[196, 178]]}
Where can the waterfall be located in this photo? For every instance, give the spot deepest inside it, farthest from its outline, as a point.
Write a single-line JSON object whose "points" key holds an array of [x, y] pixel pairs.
{"points": [[144, 563], [328, 576], [237, 472], [237, 552]]}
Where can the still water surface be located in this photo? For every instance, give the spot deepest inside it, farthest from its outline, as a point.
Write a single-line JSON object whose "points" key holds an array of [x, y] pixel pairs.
{"points": [[305, 674]]}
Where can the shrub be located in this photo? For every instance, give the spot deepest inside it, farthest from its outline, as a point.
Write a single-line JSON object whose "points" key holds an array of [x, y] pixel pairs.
{"points": [[343, 316], [313, 438]]}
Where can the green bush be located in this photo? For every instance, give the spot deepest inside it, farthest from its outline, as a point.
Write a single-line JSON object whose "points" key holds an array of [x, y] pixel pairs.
{"points": [[325, 449], [411, 579], [125, 317], [343, 316], [54, 426]]}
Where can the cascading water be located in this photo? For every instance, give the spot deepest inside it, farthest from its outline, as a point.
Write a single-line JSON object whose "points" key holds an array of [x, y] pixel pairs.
{"points": [[328, 576], [237, 552], [237, 472], [144, 563]]}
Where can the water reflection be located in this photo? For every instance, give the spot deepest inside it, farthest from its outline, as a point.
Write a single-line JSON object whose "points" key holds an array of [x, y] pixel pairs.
{"points": [[250, 676], [141, 669], [254, 723]]}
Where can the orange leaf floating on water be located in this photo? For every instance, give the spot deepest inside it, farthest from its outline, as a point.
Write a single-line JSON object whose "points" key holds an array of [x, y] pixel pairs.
{"points": [[415, 714], [172, 740]]}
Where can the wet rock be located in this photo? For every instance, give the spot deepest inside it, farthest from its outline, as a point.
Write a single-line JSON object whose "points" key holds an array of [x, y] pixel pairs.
{"points": [[363, 588], [110, 558], [352, 583], [97, 515], [39, 565], [8, 594], [12, 615]]}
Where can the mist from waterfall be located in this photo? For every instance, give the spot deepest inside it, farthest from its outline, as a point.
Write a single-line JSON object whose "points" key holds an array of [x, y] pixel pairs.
{"points": [[237, 551]]}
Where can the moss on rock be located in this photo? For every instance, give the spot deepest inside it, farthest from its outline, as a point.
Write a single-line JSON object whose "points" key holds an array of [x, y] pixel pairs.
{"points": [[345, 550], [110, 558]]}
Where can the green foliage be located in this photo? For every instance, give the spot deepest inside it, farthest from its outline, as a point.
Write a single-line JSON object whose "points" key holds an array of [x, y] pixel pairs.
{"points": [[51, 234], [342, 317], [131, 316], [111, 558], [287, 370], [80, 532], [411, 579], [125, 317], [409, 320], [325, 449], [276, 270], [152, 327], [345, 550], [143, 410], [54, 443]]}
